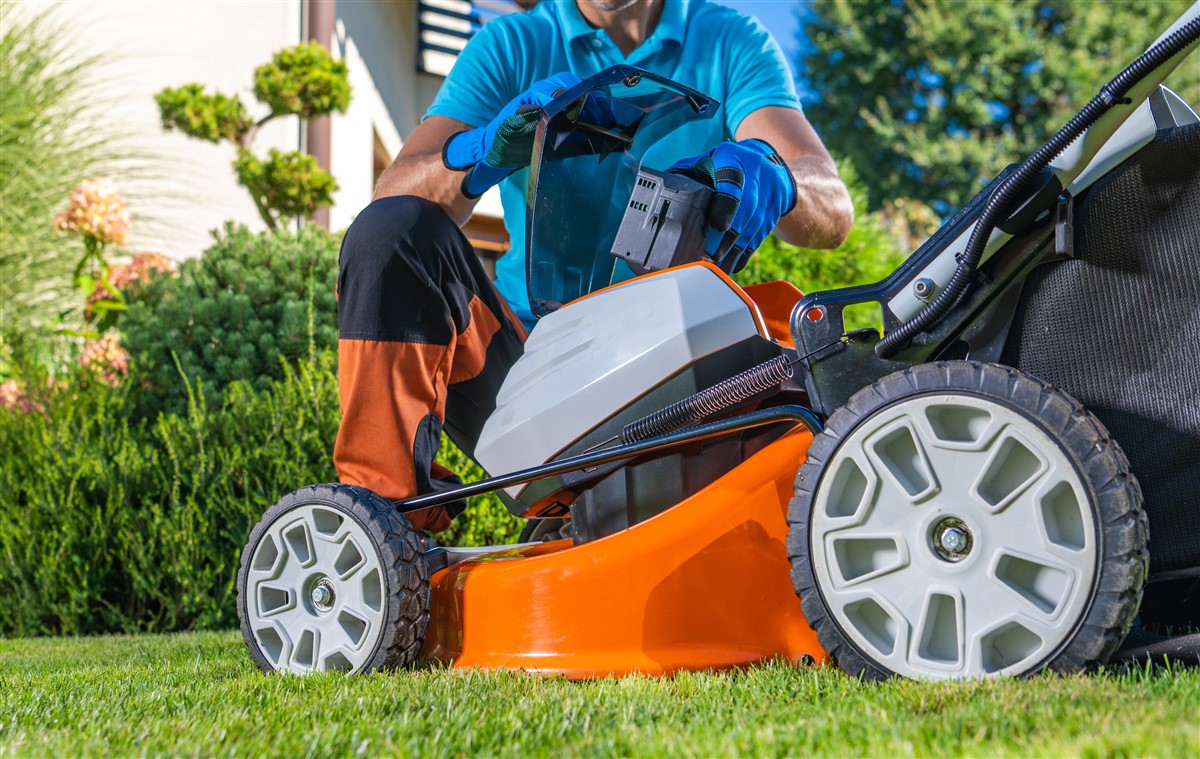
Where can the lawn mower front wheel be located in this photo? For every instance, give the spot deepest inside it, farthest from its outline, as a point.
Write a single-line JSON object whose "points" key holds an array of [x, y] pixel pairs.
{"points": [[333, 578], [960, 520]]}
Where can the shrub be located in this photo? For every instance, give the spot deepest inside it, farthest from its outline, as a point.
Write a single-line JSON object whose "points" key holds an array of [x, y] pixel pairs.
{"points": [[248, 305], [868, 255], [112, 525], [118, 526], [486, 521]]}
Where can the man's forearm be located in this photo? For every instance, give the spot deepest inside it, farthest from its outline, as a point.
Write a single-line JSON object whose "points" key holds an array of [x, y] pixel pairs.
{"points": [[419, 170], [824, 213]]}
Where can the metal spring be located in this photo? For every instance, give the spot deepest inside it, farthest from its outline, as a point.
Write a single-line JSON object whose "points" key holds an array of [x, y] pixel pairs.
{"points": [[707, 402]]}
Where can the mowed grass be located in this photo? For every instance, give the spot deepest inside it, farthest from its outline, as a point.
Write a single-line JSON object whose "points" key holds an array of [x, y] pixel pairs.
{"points": [[199, 694]]}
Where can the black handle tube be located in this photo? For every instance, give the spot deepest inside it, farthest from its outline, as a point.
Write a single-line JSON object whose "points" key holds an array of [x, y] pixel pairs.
{"points": [[759, 418]]}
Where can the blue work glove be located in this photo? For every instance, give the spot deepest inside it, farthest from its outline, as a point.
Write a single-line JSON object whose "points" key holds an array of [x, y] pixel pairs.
{"points": [[753, 190], [492, 152]]}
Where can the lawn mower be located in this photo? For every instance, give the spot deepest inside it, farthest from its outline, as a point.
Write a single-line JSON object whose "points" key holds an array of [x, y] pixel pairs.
{"points": [[719, 475]]}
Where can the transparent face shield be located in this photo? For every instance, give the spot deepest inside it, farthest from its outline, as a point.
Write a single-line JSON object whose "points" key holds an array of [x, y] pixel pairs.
{"points": [[588, 147]]}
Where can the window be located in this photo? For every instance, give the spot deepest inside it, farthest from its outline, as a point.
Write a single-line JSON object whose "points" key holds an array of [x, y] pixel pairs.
{"points": [[446, 25]]}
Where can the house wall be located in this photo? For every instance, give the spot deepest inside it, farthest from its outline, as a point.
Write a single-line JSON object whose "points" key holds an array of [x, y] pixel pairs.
{"points": [[183, 187], [378, 41]]}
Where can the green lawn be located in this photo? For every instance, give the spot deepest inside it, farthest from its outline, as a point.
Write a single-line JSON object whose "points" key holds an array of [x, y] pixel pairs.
{"points": [[199, 694]]}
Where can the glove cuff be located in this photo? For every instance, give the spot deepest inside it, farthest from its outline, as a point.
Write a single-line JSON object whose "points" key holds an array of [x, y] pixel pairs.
{"points": [[463, 149], [482, 176], [774, 157]]}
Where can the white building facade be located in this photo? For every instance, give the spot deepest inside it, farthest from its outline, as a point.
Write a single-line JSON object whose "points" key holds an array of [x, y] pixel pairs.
{"points": [[396, 52]]}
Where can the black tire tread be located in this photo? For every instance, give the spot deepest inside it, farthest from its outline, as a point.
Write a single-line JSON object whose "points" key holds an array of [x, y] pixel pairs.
{"points": [[1123, 524]]}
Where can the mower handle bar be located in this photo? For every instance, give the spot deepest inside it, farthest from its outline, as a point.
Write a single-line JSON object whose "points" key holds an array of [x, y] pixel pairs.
{"points": [[789, 413]]}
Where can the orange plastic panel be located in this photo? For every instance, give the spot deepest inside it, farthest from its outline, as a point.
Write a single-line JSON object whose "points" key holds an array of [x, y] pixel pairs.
{"points": [[776, 301], [705, 584]]}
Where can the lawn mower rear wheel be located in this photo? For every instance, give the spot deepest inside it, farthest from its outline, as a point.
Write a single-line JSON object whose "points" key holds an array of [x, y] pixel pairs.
{"points": [[959, 520], [333, 578]]}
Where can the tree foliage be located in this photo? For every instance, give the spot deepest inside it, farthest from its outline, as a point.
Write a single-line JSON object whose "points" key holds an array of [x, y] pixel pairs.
{"points": [[305, 81], [930, 98]]}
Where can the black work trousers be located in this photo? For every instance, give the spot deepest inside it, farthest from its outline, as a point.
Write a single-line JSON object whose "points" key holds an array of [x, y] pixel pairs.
{"points": [[424, 342]]}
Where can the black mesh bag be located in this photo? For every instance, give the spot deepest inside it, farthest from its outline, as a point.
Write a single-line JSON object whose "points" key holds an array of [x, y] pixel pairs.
{"points": [[1118, 327]]}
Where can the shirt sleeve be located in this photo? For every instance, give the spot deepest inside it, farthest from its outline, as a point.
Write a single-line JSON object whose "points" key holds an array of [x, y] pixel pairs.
{"points": [[759, 75], [482, 80]]}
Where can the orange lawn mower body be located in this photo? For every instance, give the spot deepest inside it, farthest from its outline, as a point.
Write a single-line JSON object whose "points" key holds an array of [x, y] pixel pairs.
{"points": [[704, 584]]}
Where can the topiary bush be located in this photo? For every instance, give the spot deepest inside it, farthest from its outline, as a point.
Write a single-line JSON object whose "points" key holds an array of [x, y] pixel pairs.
{"points": [[304, 81], [250, 304]]}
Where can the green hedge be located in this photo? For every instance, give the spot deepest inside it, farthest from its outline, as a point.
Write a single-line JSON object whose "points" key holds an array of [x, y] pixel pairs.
{"points": [[109, 525], [118, 526]]}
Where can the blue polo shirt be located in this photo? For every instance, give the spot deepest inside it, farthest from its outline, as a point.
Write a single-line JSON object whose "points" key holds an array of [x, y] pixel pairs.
{"points": [[709, 47]]}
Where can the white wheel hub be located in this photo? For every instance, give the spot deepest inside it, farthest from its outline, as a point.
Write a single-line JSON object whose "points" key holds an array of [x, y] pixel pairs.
{"points": [[314, 591], [952, 537]]}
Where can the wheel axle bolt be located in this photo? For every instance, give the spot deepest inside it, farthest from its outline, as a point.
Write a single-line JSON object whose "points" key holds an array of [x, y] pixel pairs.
{"points": [[951, 539], [322, 595], [954, 540]]}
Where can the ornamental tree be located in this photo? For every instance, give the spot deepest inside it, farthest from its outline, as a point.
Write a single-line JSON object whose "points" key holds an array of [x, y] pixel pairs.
{"points": [[931, 98], [304, 81]]}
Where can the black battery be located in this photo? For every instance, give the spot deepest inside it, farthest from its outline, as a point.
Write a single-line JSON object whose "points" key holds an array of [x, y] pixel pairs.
{"points": [[664, 222]]}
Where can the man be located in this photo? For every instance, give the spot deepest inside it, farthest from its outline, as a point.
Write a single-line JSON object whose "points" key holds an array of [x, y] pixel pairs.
{"points": [[425, 340]]}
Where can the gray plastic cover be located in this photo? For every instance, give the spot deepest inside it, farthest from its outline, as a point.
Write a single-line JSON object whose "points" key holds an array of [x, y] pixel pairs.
{"points": [[585, 362]]}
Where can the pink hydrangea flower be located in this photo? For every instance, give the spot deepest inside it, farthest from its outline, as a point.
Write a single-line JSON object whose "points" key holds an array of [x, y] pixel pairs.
{"points": [[141, 269], [13, 396], [96, 210], [107, 358], [10, 393], [144, 266]]}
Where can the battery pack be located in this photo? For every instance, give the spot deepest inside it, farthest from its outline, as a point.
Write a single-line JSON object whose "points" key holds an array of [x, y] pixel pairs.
{"points": [[664, 222]]}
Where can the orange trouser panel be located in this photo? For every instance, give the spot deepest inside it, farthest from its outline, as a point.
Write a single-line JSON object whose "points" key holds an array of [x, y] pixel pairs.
{"points": [[425, 341]]}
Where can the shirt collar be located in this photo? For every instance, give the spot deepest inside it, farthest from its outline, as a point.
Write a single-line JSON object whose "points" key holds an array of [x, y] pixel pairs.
{"points": [[671, 24], [673, 21]]}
